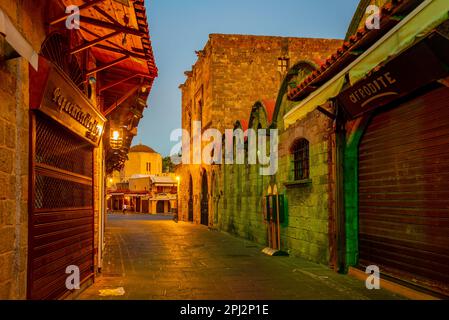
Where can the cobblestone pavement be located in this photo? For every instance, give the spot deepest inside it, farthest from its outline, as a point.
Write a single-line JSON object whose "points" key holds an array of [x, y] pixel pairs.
{"points": [[154, 258]]}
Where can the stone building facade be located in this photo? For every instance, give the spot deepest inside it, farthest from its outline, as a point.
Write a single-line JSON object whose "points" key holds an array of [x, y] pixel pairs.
{"points": [[231, 74], [310, 226], [304, 231]]}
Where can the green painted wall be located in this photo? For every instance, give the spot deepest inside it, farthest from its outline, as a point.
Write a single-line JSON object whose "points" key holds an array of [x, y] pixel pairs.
{"points": [[305, 230], [351, 189]]}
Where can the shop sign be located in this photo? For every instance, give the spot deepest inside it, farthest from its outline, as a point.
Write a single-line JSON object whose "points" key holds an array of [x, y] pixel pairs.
{"points": [[401, 76], [66, 104]]}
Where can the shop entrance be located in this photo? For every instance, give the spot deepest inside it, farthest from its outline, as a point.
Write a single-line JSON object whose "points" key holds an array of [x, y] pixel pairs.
{"points": [[403, 191], [61, 225], [160, 207]]}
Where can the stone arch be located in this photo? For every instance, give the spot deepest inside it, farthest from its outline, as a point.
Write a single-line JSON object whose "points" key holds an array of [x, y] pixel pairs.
{"points": [[215, 196], [204, 197], [299, 70], [262, 113], [190, 202]]}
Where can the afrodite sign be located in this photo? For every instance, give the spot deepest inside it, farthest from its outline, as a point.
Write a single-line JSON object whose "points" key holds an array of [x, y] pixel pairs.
{"points": [[402, 75]]}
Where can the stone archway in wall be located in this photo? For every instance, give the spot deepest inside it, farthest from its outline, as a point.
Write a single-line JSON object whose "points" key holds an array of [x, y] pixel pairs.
{"points": [[190, 201], [204, 199]]}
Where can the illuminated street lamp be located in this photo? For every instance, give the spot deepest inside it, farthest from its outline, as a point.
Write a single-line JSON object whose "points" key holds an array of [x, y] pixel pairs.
{"points": [[116, 140]]}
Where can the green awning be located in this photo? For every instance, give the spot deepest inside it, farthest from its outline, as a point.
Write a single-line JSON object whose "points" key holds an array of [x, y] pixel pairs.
{"points": [[430, 14]]}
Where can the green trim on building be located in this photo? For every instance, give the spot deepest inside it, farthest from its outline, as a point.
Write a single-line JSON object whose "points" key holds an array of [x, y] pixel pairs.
{"points": [[351, 194]]}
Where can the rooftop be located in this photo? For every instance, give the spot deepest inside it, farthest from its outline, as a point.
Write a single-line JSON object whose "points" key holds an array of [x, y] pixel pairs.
{"points": [[141, 148]]}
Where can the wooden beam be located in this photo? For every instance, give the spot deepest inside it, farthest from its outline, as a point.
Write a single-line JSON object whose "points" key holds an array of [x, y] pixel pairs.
{"points": [[112, 26], [120, 101], [93, 42], [106, 15], [82, 7], [115, 83], [106, 66], [124, 51], [98, 36], [119, 49]]}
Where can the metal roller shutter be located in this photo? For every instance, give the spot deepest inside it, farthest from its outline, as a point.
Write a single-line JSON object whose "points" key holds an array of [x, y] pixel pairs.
{"points": [[404, 191], [61, 221]]}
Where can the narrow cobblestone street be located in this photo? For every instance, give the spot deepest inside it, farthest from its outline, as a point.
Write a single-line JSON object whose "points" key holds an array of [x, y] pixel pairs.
{"points": [[157, 259]]}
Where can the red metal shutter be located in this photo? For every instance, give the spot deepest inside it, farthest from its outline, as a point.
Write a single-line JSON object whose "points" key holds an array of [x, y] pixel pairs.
{"points": [[61, 224], [404, 191]]}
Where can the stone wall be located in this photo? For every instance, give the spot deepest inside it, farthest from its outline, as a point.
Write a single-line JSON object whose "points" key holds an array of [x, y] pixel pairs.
{"points": [[245, 70], [14, 149], [306, 232]]}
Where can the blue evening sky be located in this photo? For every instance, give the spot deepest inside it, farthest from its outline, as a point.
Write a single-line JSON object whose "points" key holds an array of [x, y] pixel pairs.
{"points": [[179, 27]]}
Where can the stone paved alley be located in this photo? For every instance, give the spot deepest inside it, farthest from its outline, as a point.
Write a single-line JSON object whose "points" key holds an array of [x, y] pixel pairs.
{"points": [[154, 258]]}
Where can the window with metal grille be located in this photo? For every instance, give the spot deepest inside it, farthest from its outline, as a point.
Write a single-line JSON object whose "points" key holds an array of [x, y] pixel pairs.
{"points": [[63, 168], [300, 156], [58, 148]]}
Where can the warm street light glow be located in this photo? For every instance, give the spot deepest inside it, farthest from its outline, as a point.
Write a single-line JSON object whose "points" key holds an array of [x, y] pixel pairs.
{"points": [[178, 178], [115, 135], [116, 139]]}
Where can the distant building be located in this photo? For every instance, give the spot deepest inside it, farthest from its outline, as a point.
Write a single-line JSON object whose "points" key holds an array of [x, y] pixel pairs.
{"points": [[141, 186], [141, 160]]}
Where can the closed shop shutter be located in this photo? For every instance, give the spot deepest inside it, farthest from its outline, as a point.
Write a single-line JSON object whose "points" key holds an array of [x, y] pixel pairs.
{"points": [[404, 191], [61, 224]]}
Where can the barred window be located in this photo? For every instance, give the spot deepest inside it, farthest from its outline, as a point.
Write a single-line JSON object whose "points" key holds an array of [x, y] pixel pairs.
{"points": [[300, 155]]}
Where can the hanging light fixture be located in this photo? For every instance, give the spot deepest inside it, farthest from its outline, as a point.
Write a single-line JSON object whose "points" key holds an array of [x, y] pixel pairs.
{"points": [[116, 138]]}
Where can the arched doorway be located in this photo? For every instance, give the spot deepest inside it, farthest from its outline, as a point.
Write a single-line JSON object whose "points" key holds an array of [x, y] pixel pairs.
{"points": [[190, 218], [204, 200], [215, 197]]}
